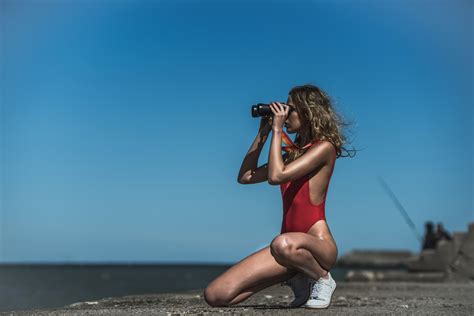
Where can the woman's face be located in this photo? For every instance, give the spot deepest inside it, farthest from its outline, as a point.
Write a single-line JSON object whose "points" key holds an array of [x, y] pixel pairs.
{"points": [[292, 122]]}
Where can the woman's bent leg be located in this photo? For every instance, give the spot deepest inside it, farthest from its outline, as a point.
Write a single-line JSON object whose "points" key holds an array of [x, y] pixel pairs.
{"points": [[247, 277], [305, 253]]}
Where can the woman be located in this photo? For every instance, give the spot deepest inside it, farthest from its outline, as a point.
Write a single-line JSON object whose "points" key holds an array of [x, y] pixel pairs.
{"points": [[305, 251]]}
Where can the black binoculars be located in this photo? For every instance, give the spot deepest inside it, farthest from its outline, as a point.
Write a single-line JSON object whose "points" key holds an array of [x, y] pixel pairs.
{"points": [[263, 109]]}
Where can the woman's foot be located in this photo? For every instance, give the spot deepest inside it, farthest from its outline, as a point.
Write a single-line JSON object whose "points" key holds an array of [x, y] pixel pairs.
{"points": [[300, 285], [321, 292]]}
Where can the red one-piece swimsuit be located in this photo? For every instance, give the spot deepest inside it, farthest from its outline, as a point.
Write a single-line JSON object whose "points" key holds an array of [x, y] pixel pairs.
{"points": [[299, 213]]}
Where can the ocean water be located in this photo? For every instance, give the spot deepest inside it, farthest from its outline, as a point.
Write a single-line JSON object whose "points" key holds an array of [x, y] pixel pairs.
{"points": [[28, 286]]}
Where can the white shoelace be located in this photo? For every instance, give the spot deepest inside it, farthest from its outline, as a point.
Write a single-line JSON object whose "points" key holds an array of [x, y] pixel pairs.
{"points": [[317, 288]]}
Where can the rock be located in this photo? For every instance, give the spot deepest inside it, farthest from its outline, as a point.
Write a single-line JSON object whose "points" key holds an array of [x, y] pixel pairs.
{"points": [[451, 257], [458, 239], [463, 265], [446, 252]]}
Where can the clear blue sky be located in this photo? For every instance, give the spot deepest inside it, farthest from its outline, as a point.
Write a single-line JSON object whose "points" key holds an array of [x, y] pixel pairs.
{"points": [[124, 123]]}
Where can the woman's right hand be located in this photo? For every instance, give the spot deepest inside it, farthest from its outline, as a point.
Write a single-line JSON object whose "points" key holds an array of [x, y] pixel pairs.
{"points": [[265, 125]]}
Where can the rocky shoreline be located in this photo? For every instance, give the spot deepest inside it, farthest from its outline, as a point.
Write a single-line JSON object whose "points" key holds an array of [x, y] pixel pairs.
{"points": [[351, 298]]}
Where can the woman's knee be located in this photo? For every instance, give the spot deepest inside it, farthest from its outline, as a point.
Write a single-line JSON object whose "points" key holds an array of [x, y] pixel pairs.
{"points": [[217, 296], [282, 246]]}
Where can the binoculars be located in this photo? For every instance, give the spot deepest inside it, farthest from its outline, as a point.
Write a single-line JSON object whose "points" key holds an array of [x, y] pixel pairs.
{"points": [[263, 109]]}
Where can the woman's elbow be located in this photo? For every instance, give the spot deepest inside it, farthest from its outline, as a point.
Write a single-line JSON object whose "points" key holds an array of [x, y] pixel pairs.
{"points": [[242, 180], [273, 181]]}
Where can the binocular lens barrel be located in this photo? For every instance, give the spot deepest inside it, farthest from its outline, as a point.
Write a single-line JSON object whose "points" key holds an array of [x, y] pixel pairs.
{"points": [[261, 109]]}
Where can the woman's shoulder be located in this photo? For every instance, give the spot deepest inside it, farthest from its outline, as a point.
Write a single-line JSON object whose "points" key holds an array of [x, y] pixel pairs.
{"points": [[326, 145], [324, 142]]}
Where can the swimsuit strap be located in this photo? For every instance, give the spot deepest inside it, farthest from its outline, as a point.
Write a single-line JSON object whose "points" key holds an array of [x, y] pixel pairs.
{"points": [[290, 145]]}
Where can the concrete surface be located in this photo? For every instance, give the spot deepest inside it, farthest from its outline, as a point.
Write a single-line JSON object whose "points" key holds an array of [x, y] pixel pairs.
{"points": [[349, 298]]}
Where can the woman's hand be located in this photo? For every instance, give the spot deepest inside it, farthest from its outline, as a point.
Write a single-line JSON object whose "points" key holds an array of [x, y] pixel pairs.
{"points": [[280, 113], [265, 125]]}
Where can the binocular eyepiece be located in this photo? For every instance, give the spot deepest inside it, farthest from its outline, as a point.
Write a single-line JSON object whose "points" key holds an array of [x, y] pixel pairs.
{"points": [[263, 109]]}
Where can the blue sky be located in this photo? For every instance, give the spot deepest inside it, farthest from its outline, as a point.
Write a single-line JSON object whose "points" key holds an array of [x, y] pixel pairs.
{"points": [[124, 123]]}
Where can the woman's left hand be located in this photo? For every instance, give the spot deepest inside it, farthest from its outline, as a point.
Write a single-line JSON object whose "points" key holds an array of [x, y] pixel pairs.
{"points": [[280, 113]]}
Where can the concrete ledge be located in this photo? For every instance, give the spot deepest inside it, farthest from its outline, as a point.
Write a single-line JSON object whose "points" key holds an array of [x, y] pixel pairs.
{"points": [[393, 276]]}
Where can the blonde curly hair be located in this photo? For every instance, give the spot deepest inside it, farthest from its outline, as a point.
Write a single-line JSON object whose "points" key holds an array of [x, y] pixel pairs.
{"points": [[319, 120]]}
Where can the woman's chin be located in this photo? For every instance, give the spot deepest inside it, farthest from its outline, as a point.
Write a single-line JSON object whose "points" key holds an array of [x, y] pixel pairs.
{"points": [[289, 130]]}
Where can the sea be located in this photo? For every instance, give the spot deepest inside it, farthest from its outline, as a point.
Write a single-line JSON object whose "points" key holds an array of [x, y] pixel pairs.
{"points": [[34, 286]]}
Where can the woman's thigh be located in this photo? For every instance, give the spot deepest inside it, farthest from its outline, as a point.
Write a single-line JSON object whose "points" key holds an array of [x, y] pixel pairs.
{"points": [[250, 275], [323, 250]]}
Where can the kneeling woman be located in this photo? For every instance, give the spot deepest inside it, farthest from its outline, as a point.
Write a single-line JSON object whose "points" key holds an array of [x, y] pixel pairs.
{"points": [[305, 251]]}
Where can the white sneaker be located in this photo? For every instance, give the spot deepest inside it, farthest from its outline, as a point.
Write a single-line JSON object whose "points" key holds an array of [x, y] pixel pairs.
{"points": [[321, 292], [300, 285]]}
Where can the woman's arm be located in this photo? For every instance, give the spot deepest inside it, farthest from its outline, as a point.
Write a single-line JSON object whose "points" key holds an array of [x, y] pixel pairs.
{"points": [[249, 173], [313, 158]]}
